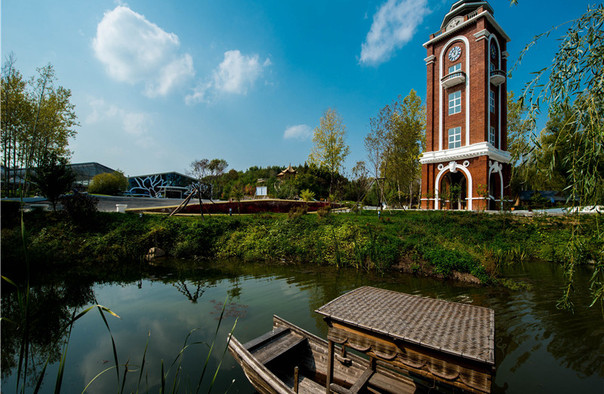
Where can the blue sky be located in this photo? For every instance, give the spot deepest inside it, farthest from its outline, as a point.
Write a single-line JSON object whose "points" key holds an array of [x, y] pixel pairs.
{"points": [[158, 84]]}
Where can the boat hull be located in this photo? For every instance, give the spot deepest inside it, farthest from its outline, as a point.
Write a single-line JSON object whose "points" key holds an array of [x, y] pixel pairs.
{"points": [[269, 365]]}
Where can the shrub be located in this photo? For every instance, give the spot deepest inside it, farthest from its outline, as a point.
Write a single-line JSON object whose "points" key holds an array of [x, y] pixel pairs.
{"points": [[80, 208], [108, 183], [307, 195], [53, 178], [323, 211], [296, 212], [10, 213]]}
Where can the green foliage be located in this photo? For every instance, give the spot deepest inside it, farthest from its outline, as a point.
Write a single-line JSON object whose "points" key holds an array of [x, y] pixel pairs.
{"points": [[457, 241], [53, 178], [111, 183], [296, 212], [37, 120], [394, 145], [571, 89], [210, 174], [307, 195], [80, 208], [323, 211], [329, 147]]}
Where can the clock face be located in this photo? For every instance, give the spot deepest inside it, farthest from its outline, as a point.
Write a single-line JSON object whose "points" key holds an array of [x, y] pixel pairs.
{"points": [[493, 52], [455, 53]]}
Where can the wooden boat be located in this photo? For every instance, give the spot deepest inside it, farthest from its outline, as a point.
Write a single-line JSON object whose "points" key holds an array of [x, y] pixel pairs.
{"points": [[412, 344], [270, 363]]}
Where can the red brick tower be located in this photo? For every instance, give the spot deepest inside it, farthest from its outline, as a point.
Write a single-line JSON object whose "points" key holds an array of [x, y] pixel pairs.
{"points": [[466, 163]]}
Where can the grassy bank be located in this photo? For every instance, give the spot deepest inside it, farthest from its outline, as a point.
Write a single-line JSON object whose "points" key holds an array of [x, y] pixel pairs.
{"points": [[444, 244]]}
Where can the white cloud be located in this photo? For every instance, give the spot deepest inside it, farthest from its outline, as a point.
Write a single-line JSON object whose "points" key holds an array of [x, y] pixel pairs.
{"points": [[234, 75], [135, 50], [299, 132], [393, 26], [133, 123], [237, 72]]}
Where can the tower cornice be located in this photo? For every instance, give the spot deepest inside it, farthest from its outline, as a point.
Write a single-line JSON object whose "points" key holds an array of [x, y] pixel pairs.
{"points": [[471, 20], [466, 152]]}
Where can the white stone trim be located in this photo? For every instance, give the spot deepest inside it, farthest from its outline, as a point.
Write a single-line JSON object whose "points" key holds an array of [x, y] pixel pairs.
{"points": [[486, 14], [452, 167], [466, 152], [482, 35], [440, 91], [505, 54], [430, 59], [494, 38]]}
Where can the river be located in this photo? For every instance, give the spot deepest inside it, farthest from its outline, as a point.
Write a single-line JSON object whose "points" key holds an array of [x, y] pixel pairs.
{"points": [[538, 347]]}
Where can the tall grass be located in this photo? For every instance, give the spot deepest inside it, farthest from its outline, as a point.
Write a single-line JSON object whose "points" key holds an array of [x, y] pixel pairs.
{"points": [[170, 378]]}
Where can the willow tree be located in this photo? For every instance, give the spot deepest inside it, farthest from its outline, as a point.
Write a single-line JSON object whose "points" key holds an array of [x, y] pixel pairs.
{"points": [[572, 88], [330, 148]]}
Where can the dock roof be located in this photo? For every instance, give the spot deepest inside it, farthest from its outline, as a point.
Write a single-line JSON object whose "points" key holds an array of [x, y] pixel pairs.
{"points": [[463, 330]]}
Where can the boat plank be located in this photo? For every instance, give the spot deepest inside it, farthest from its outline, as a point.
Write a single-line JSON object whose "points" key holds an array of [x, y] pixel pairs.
{"points": [[310, 356], [264, 338], [276, 348], [359, 384]]}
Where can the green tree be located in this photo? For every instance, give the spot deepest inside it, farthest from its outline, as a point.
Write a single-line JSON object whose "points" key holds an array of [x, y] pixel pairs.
{"points": [[111, 183], [17, 112], [361, 181], [375, 144], [209, 174], [519, 145], [37, 119], [329, 149], [572, 88], [397, 141], [53, 178]]}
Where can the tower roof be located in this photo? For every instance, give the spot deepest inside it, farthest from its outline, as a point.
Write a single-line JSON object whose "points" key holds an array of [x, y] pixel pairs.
{"points": [[463, 7]]}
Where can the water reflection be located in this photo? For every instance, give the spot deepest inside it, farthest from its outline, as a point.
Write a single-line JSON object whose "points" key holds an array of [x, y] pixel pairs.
{"points": [[183, 288], [538, 348], [50, 311]]}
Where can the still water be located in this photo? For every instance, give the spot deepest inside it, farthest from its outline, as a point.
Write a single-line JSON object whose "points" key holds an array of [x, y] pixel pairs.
{"points": [[539, 349]]}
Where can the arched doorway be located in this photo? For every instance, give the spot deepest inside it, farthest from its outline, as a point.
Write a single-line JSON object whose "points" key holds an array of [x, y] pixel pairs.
{"points": [[453, 190], [495, 190]]}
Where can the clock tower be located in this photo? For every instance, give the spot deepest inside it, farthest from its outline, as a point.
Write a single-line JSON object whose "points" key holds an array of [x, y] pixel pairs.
{"points": [[466, 164]]}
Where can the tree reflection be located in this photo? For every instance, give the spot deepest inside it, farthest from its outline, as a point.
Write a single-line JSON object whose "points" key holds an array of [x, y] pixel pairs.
{"points": [[39, 330], [193, 296]]}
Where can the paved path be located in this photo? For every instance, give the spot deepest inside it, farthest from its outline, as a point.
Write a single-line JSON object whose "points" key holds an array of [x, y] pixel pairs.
{"points": [[108, 203]]}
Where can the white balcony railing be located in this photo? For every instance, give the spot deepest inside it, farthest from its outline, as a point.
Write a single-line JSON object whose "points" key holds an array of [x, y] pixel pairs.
{"points": [[497, 77], [453, 79]]}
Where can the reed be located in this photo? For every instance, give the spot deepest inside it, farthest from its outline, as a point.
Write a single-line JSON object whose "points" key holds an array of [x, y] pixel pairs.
{"points": [[170, 379], [171, 376]]}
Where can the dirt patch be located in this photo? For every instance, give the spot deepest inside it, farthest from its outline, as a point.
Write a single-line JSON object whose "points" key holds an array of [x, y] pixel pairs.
{"points": [[408, 265]]}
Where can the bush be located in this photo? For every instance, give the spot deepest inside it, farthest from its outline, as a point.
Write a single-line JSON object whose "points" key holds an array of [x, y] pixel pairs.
{"points": [[296, 212], [108, 183], [80, 208], [323, 211], [10, 213], [307, 195]]}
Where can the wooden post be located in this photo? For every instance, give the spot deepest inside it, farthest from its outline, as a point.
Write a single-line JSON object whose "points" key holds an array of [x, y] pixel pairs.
{"points": [[296, 375], [329, 375]]}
